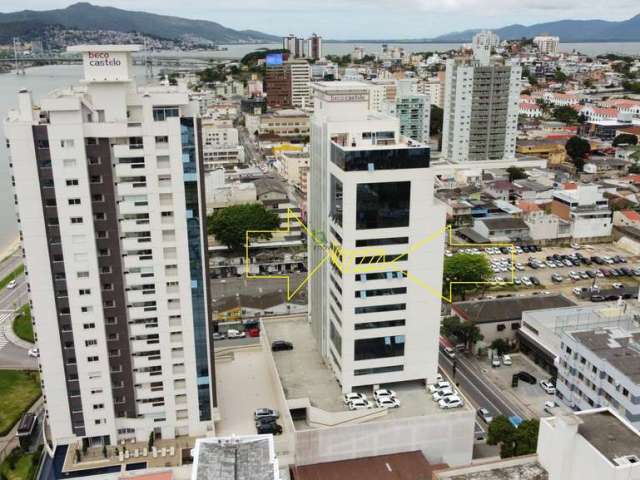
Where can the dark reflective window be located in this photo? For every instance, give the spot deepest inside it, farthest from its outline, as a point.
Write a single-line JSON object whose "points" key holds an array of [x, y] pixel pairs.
{"points": [[380, 324], [336, 339], [374, 242], [380, 159], [371, 371], [380, 347], [336, 201], [380, 308], [383, 205]]}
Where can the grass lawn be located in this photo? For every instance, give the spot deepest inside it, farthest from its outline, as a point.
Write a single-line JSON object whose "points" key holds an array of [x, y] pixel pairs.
{"points": [[18, 391], [22, 324], [25, 469], [15, 273]]}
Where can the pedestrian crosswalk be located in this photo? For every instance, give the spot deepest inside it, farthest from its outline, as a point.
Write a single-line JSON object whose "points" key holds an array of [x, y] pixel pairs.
{"points": [[4, 323]]}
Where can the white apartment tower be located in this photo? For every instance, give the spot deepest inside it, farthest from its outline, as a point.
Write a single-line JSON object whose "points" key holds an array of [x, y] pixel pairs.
{"points": [[371, 203], [108, 182], [480, 110], [300, 71], [547, 44], [295, 45]]}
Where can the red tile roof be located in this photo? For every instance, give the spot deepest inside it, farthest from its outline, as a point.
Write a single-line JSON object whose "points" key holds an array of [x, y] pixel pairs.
{"points": [[631, 215]]}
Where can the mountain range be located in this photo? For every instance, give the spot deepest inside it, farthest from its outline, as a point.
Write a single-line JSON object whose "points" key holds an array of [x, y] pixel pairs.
{"points": [[84, 16], [567, 30]]}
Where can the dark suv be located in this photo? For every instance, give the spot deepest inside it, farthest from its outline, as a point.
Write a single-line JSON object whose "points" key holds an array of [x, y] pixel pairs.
{"points": [[281, 345], [527, 377], [272, 428]]}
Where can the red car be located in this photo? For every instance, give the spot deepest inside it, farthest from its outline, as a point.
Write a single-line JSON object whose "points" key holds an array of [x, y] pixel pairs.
{"points": [[253, 332]]}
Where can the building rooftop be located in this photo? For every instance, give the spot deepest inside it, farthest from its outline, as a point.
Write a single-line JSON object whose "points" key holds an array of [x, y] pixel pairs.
{"points": [[233, 458], [398, 466], [520, 468], [617, 346], [304, 374], [507, 309], [611, 436], [504, 223]]}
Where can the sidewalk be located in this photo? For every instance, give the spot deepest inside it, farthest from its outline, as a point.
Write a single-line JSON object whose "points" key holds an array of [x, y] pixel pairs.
{"points": [[12, 337]]}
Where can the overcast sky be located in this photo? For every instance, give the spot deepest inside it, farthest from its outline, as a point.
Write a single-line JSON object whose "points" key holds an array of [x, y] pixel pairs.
{"points": [[353, 19]]}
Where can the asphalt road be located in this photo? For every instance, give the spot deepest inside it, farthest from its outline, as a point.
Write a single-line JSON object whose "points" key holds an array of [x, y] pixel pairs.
{"points": [[477, 389]]}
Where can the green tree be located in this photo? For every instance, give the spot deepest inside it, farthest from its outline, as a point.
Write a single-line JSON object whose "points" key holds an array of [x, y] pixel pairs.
{"points": [[565, 114], [513, 441], [435, 120], [500, 430], [560, 76], [460, 332], [501, 346], [516, 173], [625, 139], [578, 149], [465, 267], [525, 437], [230, 225]]}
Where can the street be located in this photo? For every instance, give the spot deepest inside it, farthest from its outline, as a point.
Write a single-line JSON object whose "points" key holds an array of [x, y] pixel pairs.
{"points": [[477, 389]]}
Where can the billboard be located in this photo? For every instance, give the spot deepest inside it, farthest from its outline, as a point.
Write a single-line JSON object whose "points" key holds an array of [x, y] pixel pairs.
{"points": [[273, 59]]}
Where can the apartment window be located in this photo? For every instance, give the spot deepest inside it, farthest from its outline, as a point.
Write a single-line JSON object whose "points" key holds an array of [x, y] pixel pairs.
{"points": [[380, 308], [95, 179], [336, 339], [100, 216], [98, 197], [335, 196], [383, 205], [109, 303], [88, 326], [379, 347], [102, 234], [380, 324], [104, 252], [67, 143], [94, 160], [86, 309], [380, 292], [105, 269], [107, 286], [161, 113], [72, 182], [76, 219], [42, 144], [98, 406], [89, 343], [374, 242], [93, 358], [74, 201], [84, 291], [58, 257], [162, 139]]}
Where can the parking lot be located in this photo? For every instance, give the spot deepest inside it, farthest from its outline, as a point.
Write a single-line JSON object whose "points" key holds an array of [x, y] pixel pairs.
{"points": [[560, 269], [531, 397]]}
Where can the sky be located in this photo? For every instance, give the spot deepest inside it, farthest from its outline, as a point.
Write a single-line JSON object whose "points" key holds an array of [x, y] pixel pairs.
{"points": [[364, 19]]}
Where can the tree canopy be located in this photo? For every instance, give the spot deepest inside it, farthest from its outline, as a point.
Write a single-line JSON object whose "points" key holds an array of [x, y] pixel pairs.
{"points": [[231, 224], [516, 173], [465, 267], [578, 149], [460, 332], [436, 120], [513, 441], [559, 76], [625, 139], [565, 114]]}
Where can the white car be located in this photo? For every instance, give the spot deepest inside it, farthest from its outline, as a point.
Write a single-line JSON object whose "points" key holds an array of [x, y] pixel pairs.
{"points": [[548, 387], [387, 402], [549, 406], [519, 266], [12, 284], [360, 404], [352, 397], [485, 415], [577, 291], [451, 402], [439, 377], [575, 246], [574, 275], [264, 413], [526, 282], [434, 387], [617, 285], [235, 334], [383, 393], [449, 352], [495, 362], [218, 336], [440, 394], [34, 352], [506, 360]]}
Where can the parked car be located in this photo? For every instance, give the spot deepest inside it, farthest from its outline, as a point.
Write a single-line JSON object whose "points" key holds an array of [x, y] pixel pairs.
{"points": [[549, 406], [452, 401], [12, 284], [232, 333], [506, 360], [535, 281], [272, 428], [218, 336], [547, 387], [440, 394], [350, 397], [556, 278], [485, 415], [438, 386], [34, 352], [387, 402], [526, 377], [617, 285], [359, 404], [383, 393], [265, 421], [253, 332], [597, 298], [574, 275], [526, 282], [281, 345], [577, 291], [495, 361], [265, 412], [449, 352]]}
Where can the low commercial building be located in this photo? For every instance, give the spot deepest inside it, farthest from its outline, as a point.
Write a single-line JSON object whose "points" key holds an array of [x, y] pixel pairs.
{"points": [[592, 445], [600, 367], [502, 317], [551, 150], [502, 229], [284, 124], [588, 211]]}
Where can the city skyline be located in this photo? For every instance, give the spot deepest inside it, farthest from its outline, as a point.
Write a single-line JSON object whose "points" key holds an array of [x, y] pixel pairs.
{"points": [[354, 19]]}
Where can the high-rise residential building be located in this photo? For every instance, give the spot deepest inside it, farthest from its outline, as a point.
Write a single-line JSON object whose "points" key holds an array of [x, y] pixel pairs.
{"points": [[220, 145], [108, 183], [300, 74], [314, 47], [480, 110], [277, 86], [547, 44], [412, 109], [295, 45], [483, 43], [371, 201]]}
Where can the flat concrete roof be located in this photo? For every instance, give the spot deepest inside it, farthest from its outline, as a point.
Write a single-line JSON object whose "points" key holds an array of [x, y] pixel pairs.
{"points": [[608, 434], [304, 374], [526, 468], [397, 466]]}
